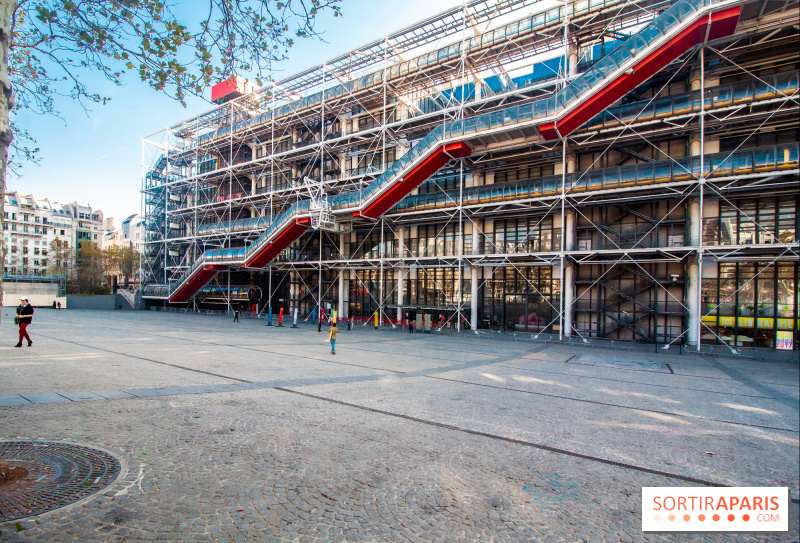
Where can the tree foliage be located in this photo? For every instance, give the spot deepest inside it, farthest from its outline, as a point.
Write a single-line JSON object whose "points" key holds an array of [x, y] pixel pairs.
{"points": [[48, 46], [61, 260], [122, 260], [177, 49], [90, 268]]}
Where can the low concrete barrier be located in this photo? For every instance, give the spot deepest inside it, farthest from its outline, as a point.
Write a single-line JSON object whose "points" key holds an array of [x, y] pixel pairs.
{"points": [[92, 302], [39, 294]]}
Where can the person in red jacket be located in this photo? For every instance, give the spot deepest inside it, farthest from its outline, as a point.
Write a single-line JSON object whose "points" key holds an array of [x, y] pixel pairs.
{"points": [[24, 318]]}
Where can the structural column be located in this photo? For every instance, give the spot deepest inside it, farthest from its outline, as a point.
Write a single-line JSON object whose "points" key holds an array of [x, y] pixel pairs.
{"points": [[693, 263], [477, 232], [568, 288], [572, 57], [695, 80], [693, 275], [342, 282], [569, 271], [400, 277], [292, 291], [695, 144], [400, 274], [473, 314]]}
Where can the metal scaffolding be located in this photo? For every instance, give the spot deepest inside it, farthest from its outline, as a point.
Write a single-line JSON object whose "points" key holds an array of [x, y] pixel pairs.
{"points": [[659, 218]]}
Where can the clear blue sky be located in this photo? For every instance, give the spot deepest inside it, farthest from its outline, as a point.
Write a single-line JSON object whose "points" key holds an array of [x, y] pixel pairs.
{"points": [[97, 159]]}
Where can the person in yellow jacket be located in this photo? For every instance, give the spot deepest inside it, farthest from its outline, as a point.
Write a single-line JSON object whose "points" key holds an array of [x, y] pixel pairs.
{"points": [[332, 331]]}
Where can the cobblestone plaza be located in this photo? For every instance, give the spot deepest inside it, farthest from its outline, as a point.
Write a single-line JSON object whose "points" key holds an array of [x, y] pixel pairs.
{"points": [[239, 432]]}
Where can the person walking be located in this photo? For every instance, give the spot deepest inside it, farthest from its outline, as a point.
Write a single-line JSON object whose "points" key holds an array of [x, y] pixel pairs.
{"points": [[54, 304], [236, 314], [332, 332], [24, 318], [59, 306]]}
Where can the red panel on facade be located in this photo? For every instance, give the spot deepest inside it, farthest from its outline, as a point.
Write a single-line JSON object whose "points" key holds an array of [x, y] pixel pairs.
{"points": [[195, 283], [281, 242], [724, 23], [231, 88], [548, 131], [441, 156], [717, 25]]}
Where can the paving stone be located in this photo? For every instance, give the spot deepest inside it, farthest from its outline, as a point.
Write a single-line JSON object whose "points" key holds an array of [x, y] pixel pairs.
{"points": [[397, 438], [114, 394], [47, 397], [81, 396], [13, 399], [169, 391], [144, 392]]}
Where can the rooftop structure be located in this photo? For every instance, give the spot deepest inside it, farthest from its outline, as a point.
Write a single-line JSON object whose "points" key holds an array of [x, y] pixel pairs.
{"points": [[595, 169]]}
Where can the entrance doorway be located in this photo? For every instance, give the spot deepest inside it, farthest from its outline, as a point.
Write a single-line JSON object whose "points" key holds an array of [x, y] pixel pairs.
{"points": [[525, 312]]}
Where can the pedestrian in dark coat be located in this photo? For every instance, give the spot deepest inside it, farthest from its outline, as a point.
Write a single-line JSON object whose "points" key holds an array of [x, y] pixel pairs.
{"points": [[24, 318]]}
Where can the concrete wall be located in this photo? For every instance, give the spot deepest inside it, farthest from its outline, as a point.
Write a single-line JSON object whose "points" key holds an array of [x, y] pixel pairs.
{"points": [[130, 302], [39, 294], [43, 295], [92, 302]]}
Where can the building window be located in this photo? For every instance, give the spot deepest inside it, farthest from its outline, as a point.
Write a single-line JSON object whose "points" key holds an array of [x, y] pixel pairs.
{"points": [[525, 235], [747, 303], [756, 221]]}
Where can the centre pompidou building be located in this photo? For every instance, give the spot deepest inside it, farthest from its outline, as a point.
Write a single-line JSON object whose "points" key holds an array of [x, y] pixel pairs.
{"points": [[599, 170]]}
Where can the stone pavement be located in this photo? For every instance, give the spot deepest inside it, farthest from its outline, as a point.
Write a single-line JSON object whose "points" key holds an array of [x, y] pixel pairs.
{"points": [[239, 432]]}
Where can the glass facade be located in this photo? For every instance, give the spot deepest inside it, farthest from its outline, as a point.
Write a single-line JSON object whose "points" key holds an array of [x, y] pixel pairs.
{"points": [[750, 303], [753, 221], [526, 235], [365, 290], [522, 298], [434, 240]]}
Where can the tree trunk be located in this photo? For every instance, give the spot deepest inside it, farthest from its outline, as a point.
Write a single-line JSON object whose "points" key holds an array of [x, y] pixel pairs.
{"points": [[6, 103]]}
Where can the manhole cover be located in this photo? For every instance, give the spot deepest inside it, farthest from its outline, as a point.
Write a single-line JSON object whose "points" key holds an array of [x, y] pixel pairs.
{"points": [[38, 476]]}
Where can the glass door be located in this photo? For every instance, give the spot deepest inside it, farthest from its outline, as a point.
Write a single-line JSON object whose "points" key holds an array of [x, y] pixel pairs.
{"points": [[516, 313]]}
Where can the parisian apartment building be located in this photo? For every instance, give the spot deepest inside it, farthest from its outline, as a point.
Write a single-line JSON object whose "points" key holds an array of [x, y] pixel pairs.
{"points": [[128, 232], [31, 224]]}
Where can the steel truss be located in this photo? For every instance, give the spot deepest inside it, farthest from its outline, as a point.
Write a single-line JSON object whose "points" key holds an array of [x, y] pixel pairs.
{"points": [[624, 262]]}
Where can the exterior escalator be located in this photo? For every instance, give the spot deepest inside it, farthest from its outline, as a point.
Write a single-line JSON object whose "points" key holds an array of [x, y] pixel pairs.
{"points": [[679, 28]]}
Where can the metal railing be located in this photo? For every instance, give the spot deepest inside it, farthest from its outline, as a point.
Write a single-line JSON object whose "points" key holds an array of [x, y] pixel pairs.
{"points": [[610, 66]]}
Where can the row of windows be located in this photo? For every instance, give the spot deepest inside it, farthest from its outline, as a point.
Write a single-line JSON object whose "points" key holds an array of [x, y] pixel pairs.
{"points": [[756, 221], [525, 235], [25, 229], [24, 250], [749, 303], [762, 139], [25, 261]]}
